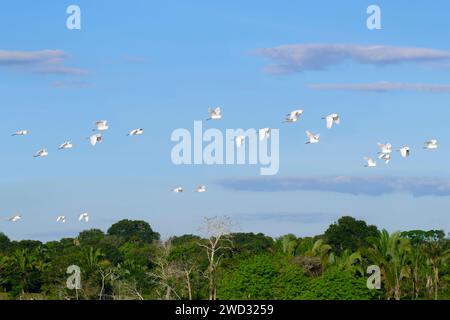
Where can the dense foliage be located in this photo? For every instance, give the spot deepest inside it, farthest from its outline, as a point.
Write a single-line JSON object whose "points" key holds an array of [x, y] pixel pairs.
{"points": [[130, 261]]}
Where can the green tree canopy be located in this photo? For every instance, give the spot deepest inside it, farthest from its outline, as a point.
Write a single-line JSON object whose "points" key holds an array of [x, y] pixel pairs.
{"points": [[251, 243], [349, 234], [420, 237], [133, 231], [263, 277], [5, 243], [91, 237], [337, 285]]}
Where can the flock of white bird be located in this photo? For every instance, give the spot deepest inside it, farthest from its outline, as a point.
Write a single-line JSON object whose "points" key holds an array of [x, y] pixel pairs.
{"points": [[100, 127], [385, 153]]}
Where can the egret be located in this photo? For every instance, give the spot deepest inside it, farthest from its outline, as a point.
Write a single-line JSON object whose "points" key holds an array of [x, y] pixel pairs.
{"points": [[332, 119], [95, 138], [215, 114], [201, 189], [66, 145], [386, 157], [15, 218], [405, 152], [101, 125], [294, 116], [370, 162], [41, 153], [431, 144], [20, 133], [83, 216], [61, 219], [312, 138], [136, 132], [385, 148]]}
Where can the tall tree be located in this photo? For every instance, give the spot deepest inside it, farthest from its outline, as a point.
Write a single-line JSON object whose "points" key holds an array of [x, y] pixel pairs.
{"points": [[438, 256], [349, 234], [218, 240], [134, 231], [391, 253]]}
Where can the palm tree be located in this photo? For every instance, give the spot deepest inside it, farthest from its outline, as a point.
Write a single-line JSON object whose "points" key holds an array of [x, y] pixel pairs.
{"points": [[92, 258], [24, 262], [391, 253], [417, 268], [320, 250], [437, 256], [347, 261], [288, 244]]}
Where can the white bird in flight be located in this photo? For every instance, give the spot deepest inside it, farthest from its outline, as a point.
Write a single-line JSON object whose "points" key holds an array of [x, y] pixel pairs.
{"points": [[41, 153], [178, 190], [386, 157], [385, 148], [332, 119], [264, 134], [61, 219], [15, 218], [294, 116], [201, 189], [312, 138], [83, 216], [20, 133], [370, 162], [136, 132], [240, 141], [431, 144], [405, 152], [215, 114], [101, 125], [95, 138], [66, 145]]}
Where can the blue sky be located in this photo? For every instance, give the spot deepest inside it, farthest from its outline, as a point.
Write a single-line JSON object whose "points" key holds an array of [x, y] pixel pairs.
{"points": [[159, 66]]}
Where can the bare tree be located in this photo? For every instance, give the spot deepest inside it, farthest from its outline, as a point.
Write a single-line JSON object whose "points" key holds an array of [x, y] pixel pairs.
{"points": [[187, 273], [104, 274], [124, 288], [218, 239], [166, 273]]}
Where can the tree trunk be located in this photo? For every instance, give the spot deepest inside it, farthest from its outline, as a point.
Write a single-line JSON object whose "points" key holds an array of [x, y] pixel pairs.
{"points": [[188, 281], [436, 283], [398, 294]]}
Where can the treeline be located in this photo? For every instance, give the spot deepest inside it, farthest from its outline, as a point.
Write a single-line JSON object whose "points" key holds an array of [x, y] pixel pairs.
{"points": [[130, 261]]}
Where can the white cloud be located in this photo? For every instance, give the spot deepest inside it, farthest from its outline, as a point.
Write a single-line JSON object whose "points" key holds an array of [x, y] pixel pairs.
{"points": [[383, 87], [304, 57], [43, 62], [370, 186]]}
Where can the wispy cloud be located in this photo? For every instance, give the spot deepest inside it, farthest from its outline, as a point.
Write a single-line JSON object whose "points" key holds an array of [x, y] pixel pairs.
{"points": [[294, 217], [31, 57], [42, 62], [370, 186], [383, 87], [60, 70], [305, 57], [70, 84]]}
